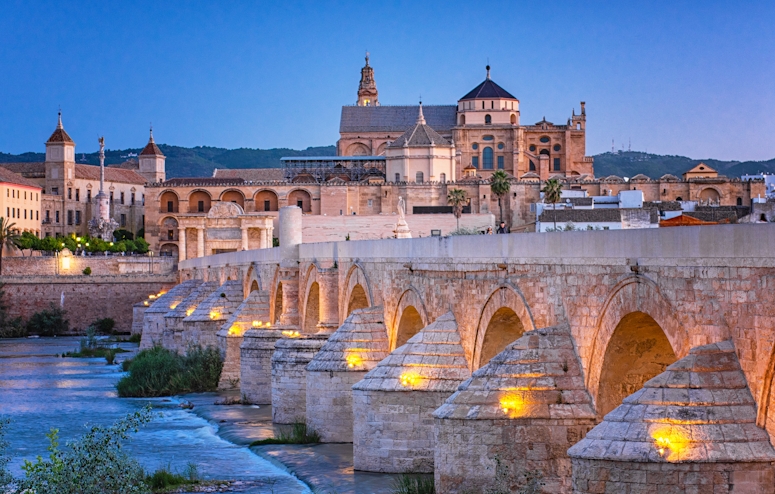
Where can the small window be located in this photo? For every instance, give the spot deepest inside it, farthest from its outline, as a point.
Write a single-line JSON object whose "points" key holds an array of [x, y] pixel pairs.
{"points": [[54, 191], [544, 139], [132, 199], [739, 201], [500, 162], [123, 220], [170, 234], [267, 205], [370, 203], [487, 138], [77, 194], [544, 151], [57, 216], [69, 217], [170, 207], [398, 177], [557, 147], [487, 119], [200, 206], [475, 146], [25, 214], [532, 148], [88, 195], [48, 215], [300, 203], [679, 198], [475, 161], [111, 197], [37, 215], [77, 217], [122, 198], [69, 193], [500, 145], [418, 177], [443, 178]]}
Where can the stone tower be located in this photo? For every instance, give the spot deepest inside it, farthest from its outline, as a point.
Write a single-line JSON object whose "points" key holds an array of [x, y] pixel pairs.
{"points": [[60, 160], [367, 89], [152, 162]]}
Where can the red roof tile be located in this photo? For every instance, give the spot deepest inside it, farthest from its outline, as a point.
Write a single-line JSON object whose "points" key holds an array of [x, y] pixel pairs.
{"points": [[7, 176], [92, 172]]}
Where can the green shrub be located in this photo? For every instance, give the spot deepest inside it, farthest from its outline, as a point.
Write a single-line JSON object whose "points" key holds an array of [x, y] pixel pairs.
{"points": [[413, 484], [5, 475], [164, 478], [92, 464], [298, 434], [161, 372], [48, 322], [135, 338], [9, 327], [87, 271], [104, 325], [126, 364]]}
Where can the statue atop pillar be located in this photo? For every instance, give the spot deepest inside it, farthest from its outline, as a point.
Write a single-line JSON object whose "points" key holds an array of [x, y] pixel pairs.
{"points": [[102, 225], [402, 228]]}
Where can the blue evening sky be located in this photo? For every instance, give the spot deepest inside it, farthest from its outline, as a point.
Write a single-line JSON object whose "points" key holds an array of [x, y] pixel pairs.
{"points": [[689, 78]]}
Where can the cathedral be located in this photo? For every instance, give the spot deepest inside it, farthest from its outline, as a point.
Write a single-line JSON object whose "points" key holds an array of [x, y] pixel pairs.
{"points": [[483, 132]]}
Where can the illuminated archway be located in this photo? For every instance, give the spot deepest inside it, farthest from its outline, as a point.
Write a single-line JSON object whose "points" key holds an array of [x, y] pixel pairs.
{"points": [[278, 304], [504, 328], [496, 319], [265, 200], [358, 299], [234, 196], [356, 293], [637, 351], [409, 325], [312, 310], [409, 318]]}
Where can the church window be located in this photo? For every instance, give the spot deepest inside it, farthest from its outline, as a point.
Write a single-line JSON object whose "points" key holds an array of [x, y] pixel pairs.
{"points": [[487, 158], [475, 146], [57, 216], [500, 162], [557, 147], [69, 217], [462, 119], [487, 119], [500, 145], [8, 212], [300, 203], [556, 164], [170, 234], [487, 138], [37, 215], [398, 177], [532, 166], [482, 105], [475, 161], [418, 177], [267, 205], [492, 105], [513, 117], [532, 148], [171, 207], [578, 126], [544, 139], [25, 214]]}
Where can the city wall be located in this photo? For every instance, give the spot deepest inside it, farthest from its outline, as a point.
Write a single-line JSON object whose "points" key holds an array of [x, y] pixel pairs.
{"points": [[99, 264]]}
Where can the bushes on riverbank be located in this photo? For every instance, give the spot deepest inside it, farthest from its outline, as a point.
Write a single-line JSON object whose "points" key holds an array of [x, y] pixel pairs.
{"points": [[298, 434], [161, 372]]}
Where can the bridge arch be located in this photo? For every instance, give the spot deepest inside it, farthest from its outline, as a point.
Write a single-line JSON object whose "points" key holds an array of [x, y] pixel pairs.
{"points": [[252, 281], [503, 319], [311, 316], [636, 338], [765, 416], [276, 298], [409, 317], [357, 291]]}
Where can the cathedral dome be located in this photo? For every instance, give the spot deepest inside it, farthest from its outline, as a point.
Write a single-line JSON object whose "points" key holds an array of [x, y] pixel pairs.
{"points": [[487, 89]]}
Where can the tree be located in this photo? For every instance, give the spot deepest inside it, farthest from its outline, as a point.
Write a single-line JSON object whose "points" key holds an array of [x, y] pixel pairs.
{"points": [[500, 186], [9, 237], [457, 199], [552, 193]]}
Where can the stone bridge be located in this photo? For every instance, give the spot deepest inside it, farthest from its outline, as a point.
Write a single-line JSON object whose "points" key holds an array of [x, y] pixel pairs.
{"points": [[367, 340]]}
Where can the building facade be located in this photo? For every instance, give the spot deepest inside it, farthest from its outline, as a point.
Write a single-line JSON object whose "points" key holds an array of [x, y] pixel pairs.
{"points": [[69, 189], [20, 201]]}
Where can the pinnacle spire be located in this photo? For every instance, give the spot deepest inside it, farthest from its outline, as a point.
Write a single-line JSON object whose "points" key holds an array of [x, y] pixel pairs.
{"points": [[367, 58], [59, 123], [488, 71], [420, 116], [151, 139]]}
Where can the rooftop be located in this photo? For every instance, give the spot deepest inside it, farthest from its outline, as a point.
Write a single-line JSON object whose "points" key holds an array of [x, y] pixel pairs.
{"points": [[396, 118], [9, 177], [487, 89]]}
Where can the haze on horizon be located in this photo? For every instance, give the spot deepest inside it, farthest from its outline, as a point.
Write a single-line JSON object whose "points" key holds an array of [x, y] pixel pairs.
{"points": [[685, 78]]}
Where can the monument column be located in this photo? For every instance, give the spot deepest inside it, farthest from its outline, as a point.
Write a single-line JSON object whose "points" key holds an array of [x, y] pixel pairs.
{"points": [[244, 237], [328, 282], [181, 243], [200, 241]]}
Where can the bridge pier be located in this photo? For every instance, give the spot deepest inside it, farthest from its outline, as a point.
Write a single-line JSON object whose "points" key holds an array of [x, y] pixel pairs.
{"points": [[172, 335], [252, 312], [153, 317], [200, 328], [392, 405], [526, 407], [355, 348], [256, 353], [289, 376]]}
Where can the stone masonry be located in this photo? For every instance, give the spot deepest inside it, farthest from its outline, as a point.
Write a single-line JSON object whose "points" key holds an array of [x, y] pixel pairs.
{"points": [[392, 405], [355, 348], [256, 352], [289, 376], [252, 312], [526, 407], [172, 336], [690, 429], [153, 316], [201, 326]]}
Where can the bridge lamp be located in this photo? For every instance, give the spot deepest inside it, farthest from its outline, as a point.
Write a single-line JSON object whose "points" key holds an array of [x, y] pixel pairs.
{"points": [[409, 379]]}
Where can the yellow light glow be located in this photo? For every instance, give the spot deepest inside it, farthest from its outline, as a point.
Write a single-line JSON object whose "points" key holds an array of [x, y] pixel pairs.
{"points": [[214, 314], [291, 334], [151, 296], [66, 262], [173, 306], [235, 331], [256, 324], [669, 442], [189, 312], [145, 302], [512, 404], [409, 379], [268, 325], [354, 360]]}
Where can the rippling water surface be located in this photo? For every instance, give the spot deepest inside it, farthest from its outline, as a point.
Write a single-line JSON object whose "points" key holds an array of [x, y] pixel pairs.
{"points": [[40, 391]]}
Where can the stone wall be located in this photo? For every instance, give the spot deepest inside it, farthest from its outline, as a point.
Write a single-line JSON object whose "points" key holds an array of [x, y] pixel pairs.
{"points": [[99, 264], [86, 298]]}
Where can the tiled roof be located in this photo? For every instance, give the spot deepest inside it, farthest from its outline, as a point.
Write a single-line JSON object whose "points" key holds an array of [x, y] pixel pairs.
{"points": [[251, 174], [130, 164], [581, 201], [360, 343], [719, 216], [663, 205], [151, 149], [607, 215], [487, 89], [120, 175], [7, 176], [396, 118], [421, 135], [253, 308], [33, 169], [699, 410], [172, 298]]}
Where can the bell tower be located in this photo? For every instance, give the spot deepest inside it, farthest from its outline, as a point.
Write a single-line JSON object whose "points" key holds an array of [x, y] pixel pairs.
{"points": [[367, 90], [152, 162], [60, 160]]}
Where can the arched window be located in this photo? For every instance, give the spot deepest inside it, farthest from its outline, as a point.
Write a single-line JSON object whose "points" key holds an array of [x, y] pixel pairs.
{"points": [[679, 198], [739, 201], [513, 119], [544, 151], [532, 166], [443, 177], [487, 158], [487, 119], [418, 177], [462, 119]]}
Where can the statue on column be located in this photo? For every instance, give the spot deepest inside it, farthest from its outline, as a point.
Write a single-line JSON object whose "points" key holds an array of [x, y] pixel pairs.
{"points": [[102, 225], [402, 228]]}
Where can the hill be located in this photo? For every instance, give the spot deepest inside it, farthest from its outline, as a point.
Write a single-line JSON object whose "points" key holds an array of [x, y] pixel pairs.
{"points": [[191, 162], [201, 160]]}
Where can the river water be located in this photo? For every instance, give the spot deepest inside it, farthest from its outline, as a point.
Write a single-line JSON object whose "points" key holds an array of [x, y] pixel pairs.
{"points": [[40, 390]]}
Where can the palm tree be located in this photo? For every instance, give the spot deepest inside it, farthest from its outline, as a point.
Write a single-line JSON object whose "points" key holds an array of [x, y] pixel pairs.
{"points": [[457, 199], [9, 237], [500, 186], [552, 193]]}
